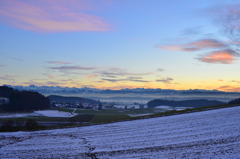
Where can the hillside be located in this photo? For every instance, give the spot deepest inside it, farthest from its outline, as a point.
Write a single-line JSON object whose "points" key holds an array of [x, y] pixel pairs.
{"points": [[208, 134], [6, 91], [196, 103], [55, 98]]}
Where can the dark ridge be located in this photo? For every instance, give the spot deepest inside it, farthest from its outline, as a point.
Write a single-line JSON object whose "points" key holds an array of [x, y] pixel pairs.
{"points": [[196, 103]]}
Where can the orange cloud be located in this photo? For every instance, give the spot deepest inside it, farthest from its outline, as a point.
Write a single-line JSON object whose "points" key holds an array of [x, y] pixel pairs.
{"points": [[194, 46], [228, 88], [91, 76], [50, 16], [221, 57]]}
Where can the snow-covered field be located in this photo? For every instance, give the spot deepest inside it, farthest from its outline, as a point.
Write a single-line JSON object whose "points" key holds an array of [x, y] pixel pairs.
{"points": [[208, 134], [16, 115], [48, 113], [55, 113]]}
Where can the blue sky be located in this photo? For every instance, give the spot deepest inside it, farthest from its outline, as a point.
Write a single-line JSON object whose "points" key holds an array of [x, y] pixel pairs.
{"points": [[121, 44]]}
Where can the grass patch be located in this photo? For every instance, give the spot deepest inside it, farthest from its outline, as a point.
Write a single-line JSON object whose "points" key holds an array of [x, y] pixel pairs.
{"points": [[107, 118], [64, 110], [82, 118], [37, 118], [29, 125]]}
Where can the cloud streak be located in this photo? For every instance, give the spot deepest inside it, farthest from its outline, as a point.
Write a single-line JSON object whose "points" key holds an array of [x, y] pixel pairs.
{"points": [[91, 76], [72, 68], [119, 72], [228, 18], [50, 76], [58, 62], [8, 78], [128, 79], [229, 88], [50, 16], [194, 46], [221, 57], [167, 80]]}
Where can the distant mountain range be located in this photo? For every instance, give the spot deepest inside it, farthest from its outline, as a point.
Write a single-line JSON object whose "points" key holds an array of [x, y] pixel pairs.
{"points": [[48, 90]]}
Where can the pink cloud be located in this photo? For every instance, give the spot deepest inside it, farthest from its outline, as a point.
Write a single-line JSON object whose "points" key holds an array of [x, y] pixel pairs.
{"points": [[91, 76], [194, 46], [58, 62], [50, 16], [221, 57]]}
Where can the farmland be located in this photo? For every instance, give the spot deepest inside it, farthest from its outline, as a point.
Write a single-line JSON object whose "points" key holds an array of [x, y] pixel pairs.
{"points": [[208, 134]]}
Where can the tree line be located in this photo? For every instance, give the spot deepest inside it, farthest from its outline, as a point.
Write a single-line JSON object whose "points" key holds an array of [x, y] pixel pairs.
{"points": [[23, 101], [234, 101]]}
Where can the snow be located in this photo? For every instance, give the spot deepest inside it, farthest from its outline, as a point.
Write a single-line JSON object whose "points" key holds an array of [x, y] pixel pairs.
{"points": [[165, 107], [55, 113], [172, 108], [208, 134], [48, 113], [137, 115], [16, 115]]}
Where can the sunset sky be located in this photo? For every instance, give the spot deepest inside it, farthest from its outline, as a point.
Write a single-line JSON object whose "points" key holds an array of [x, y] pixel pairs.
{"points": [[115, 44]]}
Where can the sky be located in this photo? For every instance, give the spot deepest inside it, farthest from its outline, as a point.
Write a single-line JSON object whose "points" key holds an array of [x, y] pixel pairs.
{"points": [[116, 44]]}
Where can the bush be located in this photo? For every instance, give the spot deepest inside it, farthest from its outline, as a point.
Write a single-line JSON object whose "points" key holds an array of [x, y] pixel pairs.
{"points": [[7, 126], [234, 101], [31, 124]]}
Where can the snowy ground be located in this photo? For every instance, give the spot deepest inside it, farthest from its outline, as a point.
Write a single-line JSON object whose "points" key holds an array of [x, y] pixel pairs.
{"points": [[208, 134], [48, 113], [55, 113], [16, 115]]}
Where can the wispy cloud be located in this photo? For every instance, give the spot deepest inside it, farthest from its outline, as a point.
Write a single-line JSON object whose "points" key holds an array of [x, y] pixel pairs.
{"points": [[54, 83], [66, 80], [194, 46], [58, 62], [120, 72], [51, 16], [2, 65], [167, 80], [50, 76], [160, 69], [228, 18], [8, 78], [229, 88], [192, 31], [131, 79], [89, 86], [72, 68], [235, 81], [91, 76], [220, 57], [14, 58], [3, 53]]}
